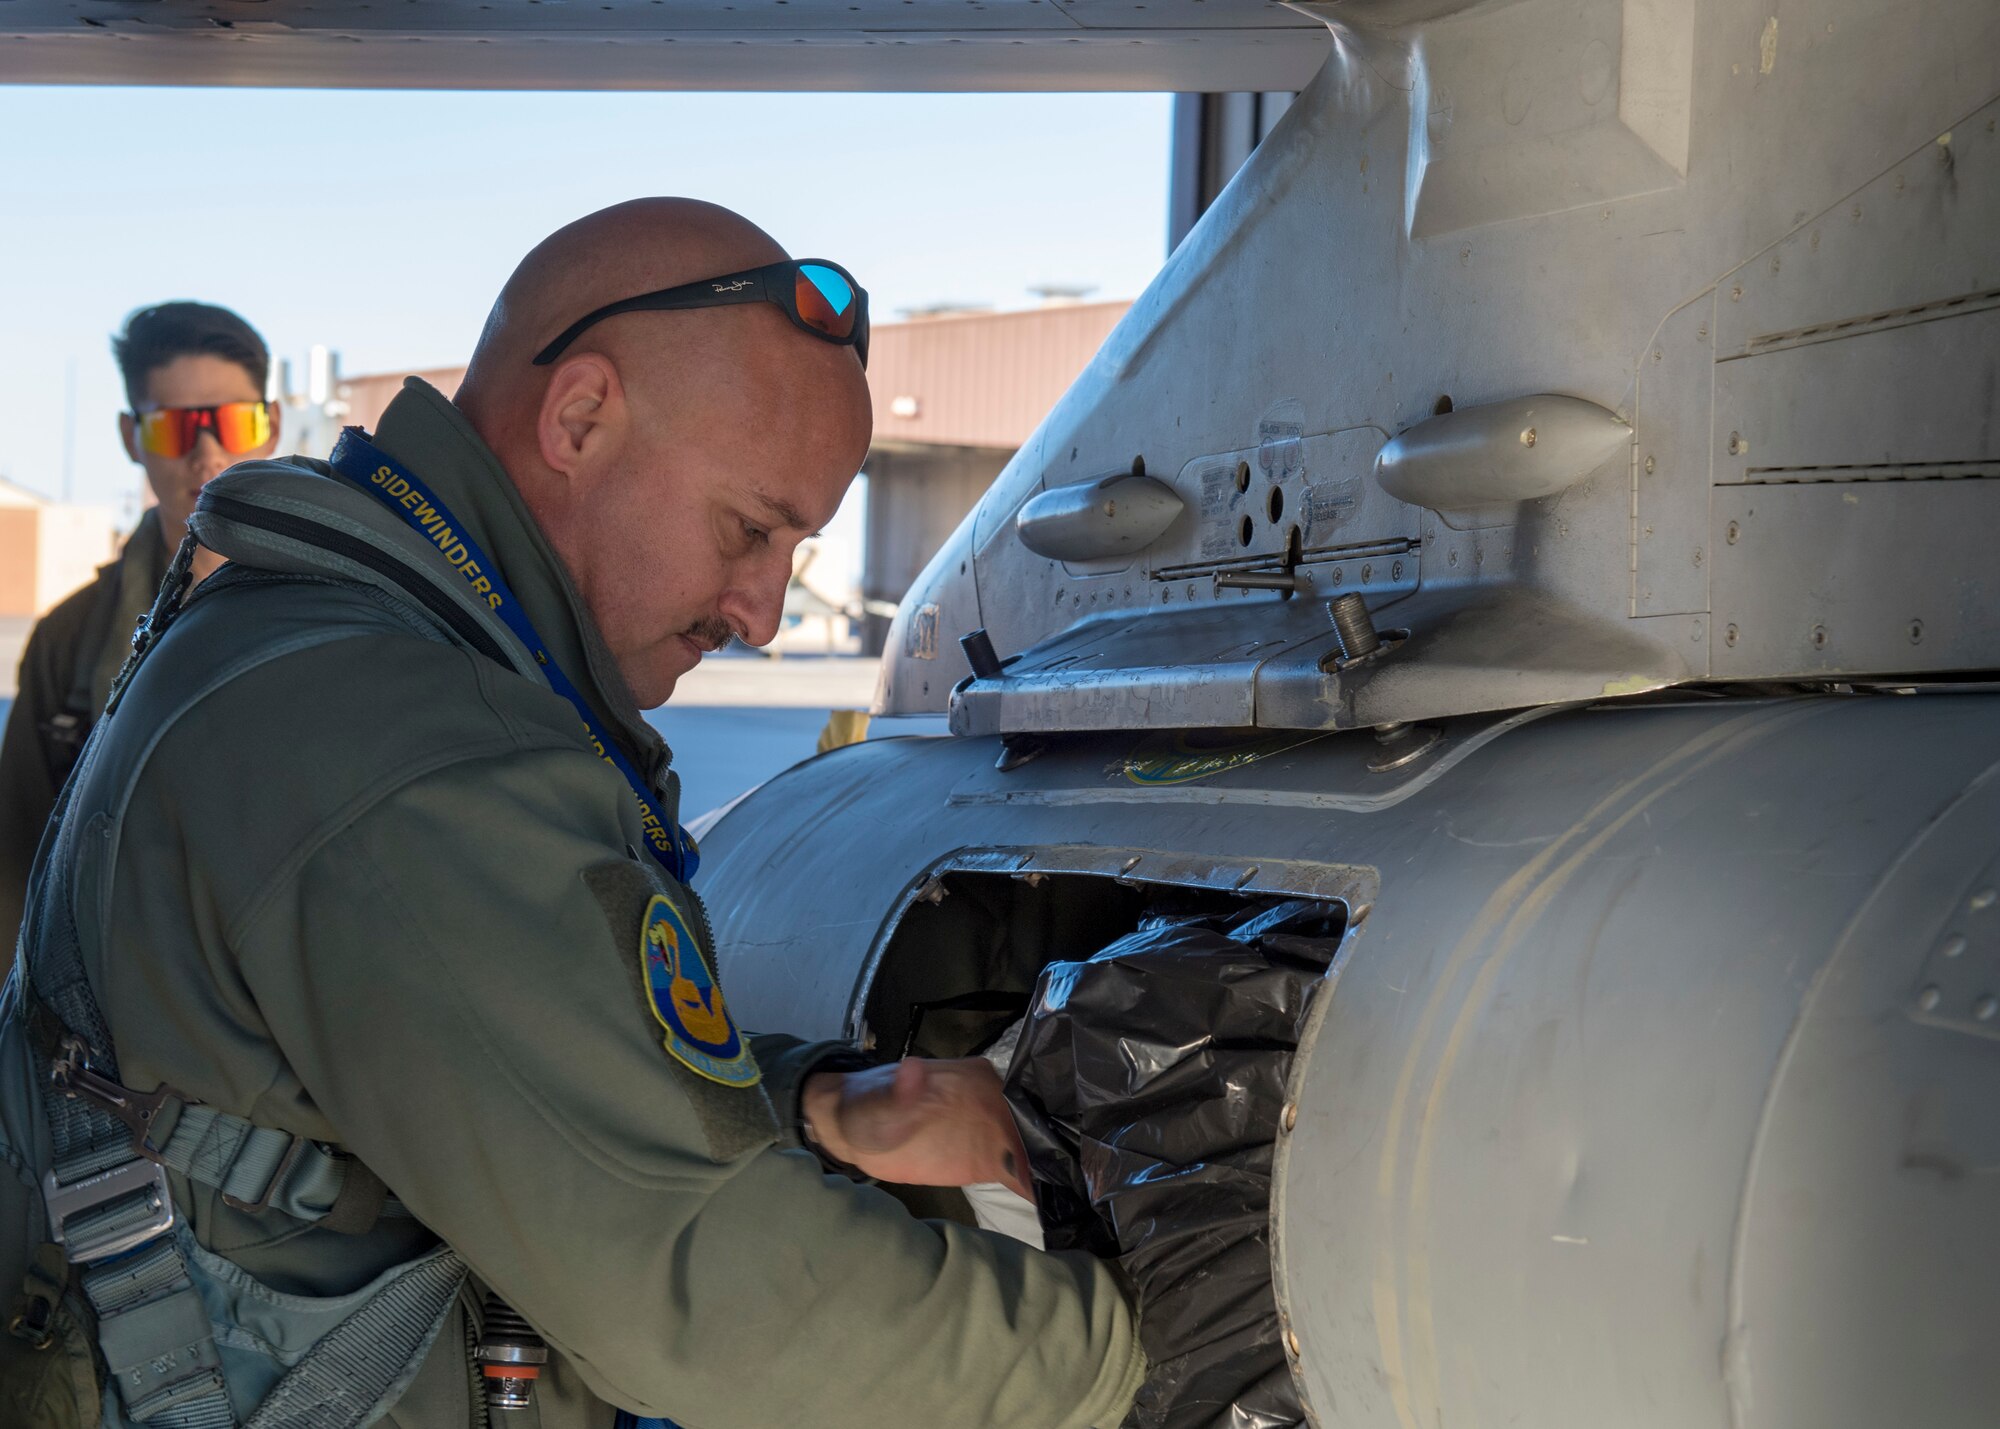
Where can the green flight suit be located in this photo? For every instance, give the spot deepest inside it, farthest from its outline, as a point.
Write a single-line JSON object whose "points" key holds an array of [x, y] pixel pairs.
{"points": [[72, 656], [381, 893]]}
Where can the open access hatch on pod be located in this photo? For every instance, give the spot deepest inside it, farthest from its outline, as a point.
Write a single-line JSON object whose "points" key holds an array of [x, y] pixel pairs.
{"points": [[1149, 1033]]}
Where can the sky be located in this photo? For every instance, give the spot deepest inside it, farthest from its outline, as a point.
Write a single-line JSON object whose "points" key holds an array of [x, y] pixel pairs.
{"points": [[381, 224]]}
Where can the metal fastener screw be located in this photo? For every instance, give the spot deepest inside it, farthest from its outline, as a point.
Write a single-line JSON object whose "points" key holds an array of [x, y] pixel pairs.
{"points": [[1984, 899], [1352, 623], [1367, 574], [1701, 332], [1929, 998], [1291, 1116], [1736, 293], [1452, 559], [1737, 445], [1528, 437], [1952, 947], [1396, 571], [1649, 466], [1697, 555], [1292, 1342], [1734, 532], [1986, 1007], [1819, 637], [1729, 637], [1916, 632]]}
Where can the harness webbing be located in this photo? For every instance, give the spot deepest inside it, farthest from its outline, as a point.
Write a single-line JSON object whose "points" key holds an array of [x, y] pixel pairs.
{"points": [[109, 1199]]}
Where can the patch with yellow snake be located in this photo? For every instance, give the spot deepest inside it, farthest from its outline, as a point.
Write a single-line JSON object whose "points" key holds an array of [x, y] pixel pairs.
{"points": [[700, 1034]]}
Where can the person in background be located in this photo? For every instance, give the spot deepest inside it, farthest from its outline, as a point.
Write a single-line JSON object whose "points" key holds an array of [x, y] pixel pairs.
{"points": [[195, 378]]}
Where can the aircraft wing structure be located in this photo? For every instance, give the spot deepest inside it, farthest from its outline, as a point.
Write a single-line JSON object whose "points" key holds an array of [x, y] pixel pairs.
{"points": [[886, 45]]}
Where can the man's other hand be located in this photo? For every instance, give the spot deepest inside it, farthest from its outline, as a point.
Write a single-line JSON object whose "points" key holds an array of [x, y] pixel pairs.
{"points": [[919, 1122]]}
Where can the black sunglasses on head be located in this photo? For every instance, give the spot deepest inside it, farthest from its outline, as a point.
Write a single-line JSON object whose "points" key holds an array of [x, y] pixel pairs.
{"points": [[820, 297]]}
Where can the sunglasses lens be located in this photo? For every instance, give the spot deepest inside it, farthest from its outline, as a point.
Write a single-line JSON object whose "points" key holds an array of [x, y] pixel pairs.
{"points": [[825, 300], [172, 431], [167, 431], [242, 426]]}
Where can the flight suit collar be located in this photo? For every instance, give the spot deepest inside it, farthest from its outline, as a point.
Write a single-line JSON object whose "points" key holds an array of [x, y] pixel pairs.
{"points": [[426, 433]]}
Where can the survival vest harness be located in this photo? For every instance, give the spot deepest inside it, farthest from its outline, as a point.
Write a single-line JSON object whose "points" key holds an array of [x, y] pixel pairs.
{"points": [[102, 1151]]}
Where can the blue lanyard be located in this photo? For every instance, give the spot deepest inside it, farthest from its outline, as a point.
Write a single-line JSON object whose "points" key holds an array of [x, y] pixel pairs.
{"points": [[386, 479]]}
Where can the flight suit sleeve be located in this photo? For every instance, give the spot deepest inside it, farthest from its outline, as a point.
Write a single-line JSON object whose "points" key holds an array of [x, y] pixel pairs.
{"points": [[28, 783], [447, 982], [786, 1062]]}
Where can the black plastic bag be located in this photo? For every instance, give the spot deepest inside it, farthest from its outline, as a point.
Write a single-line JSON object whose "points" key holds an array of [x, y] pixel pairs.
{"points": [[1149, 1082]]}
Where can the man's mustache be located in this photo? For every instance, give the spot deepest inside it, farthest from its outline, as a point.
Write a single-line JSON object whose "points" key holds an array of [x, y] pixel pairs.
{"points": [[711, 635]]}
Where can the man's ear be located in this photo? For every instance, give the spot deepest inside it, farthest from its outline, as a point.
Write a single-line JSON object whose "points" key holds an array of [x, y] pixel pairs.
{"points": [[277, 411], [582, 408], [128, 432]]}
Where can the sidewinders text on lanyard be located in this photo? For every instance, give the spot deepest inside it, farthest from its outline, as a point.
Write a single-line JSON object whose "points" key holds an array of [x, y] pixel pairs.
{"points": [[382, 476]]}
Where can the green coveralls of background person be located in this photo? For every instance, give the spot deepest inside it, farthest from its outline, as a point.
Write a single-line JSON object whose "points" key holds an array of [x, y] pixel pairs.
{"points": [[381, 892], [177, 359]]}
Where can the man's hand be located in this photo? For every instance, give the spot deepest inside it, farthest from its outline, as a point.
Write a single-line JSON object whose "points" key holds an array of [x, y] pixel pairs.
{"points": [[919, 1122]]}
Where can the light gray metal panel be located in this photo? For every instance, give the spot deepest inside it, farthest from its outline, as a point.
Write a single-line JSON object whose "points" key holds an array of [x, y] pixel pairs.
{"points": [[1192, 669], [1867, 1234], [1959, 987], [1922, 395], [1470, 206], [1851, 266], [922, 659], [1468, 650], [1523, 118], [643, 44], [1855, 577], [1620, 1074], [1671, 464], [1315, 481], [1514, 1189]]}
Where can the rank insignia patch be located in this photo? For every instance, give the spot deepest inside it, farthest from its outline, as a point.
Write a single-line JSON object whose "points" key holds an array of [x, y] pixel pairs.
{"points": [[700, 1035]]}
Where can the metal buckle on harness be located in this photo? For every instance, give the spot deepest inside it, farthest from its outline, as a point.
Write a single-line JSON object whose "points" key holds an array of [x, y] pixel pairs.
{"points": [[67, 1201], [144, 1174], [73, 1078]]}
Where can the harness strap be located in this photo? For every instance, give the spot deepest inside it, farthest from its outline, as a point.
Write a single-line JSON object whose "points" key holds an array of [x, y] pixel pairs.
{"points": [[376, 1349], [157, 1341], [111, 1206]]}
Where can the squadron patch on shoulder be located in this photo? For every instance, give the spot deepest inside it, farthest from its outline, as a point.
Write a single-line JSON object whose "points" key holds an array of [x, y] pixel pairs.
{"points": [[700, 1034]]}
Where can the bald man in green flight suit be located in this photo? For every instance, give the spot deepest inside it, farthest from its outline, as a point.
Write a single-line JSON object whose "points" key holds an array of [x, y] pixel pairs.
{"points": [[400, 893]]}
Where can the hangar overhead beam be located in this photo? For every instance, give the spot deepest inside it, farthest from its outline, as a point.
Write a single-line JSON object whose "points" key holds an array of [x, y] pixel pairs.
{"points": [[913, 45]]}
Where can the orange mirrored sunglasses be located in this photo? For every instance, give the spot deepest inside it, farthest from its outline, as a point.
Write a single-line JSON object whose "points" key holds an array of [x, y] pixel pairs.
{"points": [[172, 431]]}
